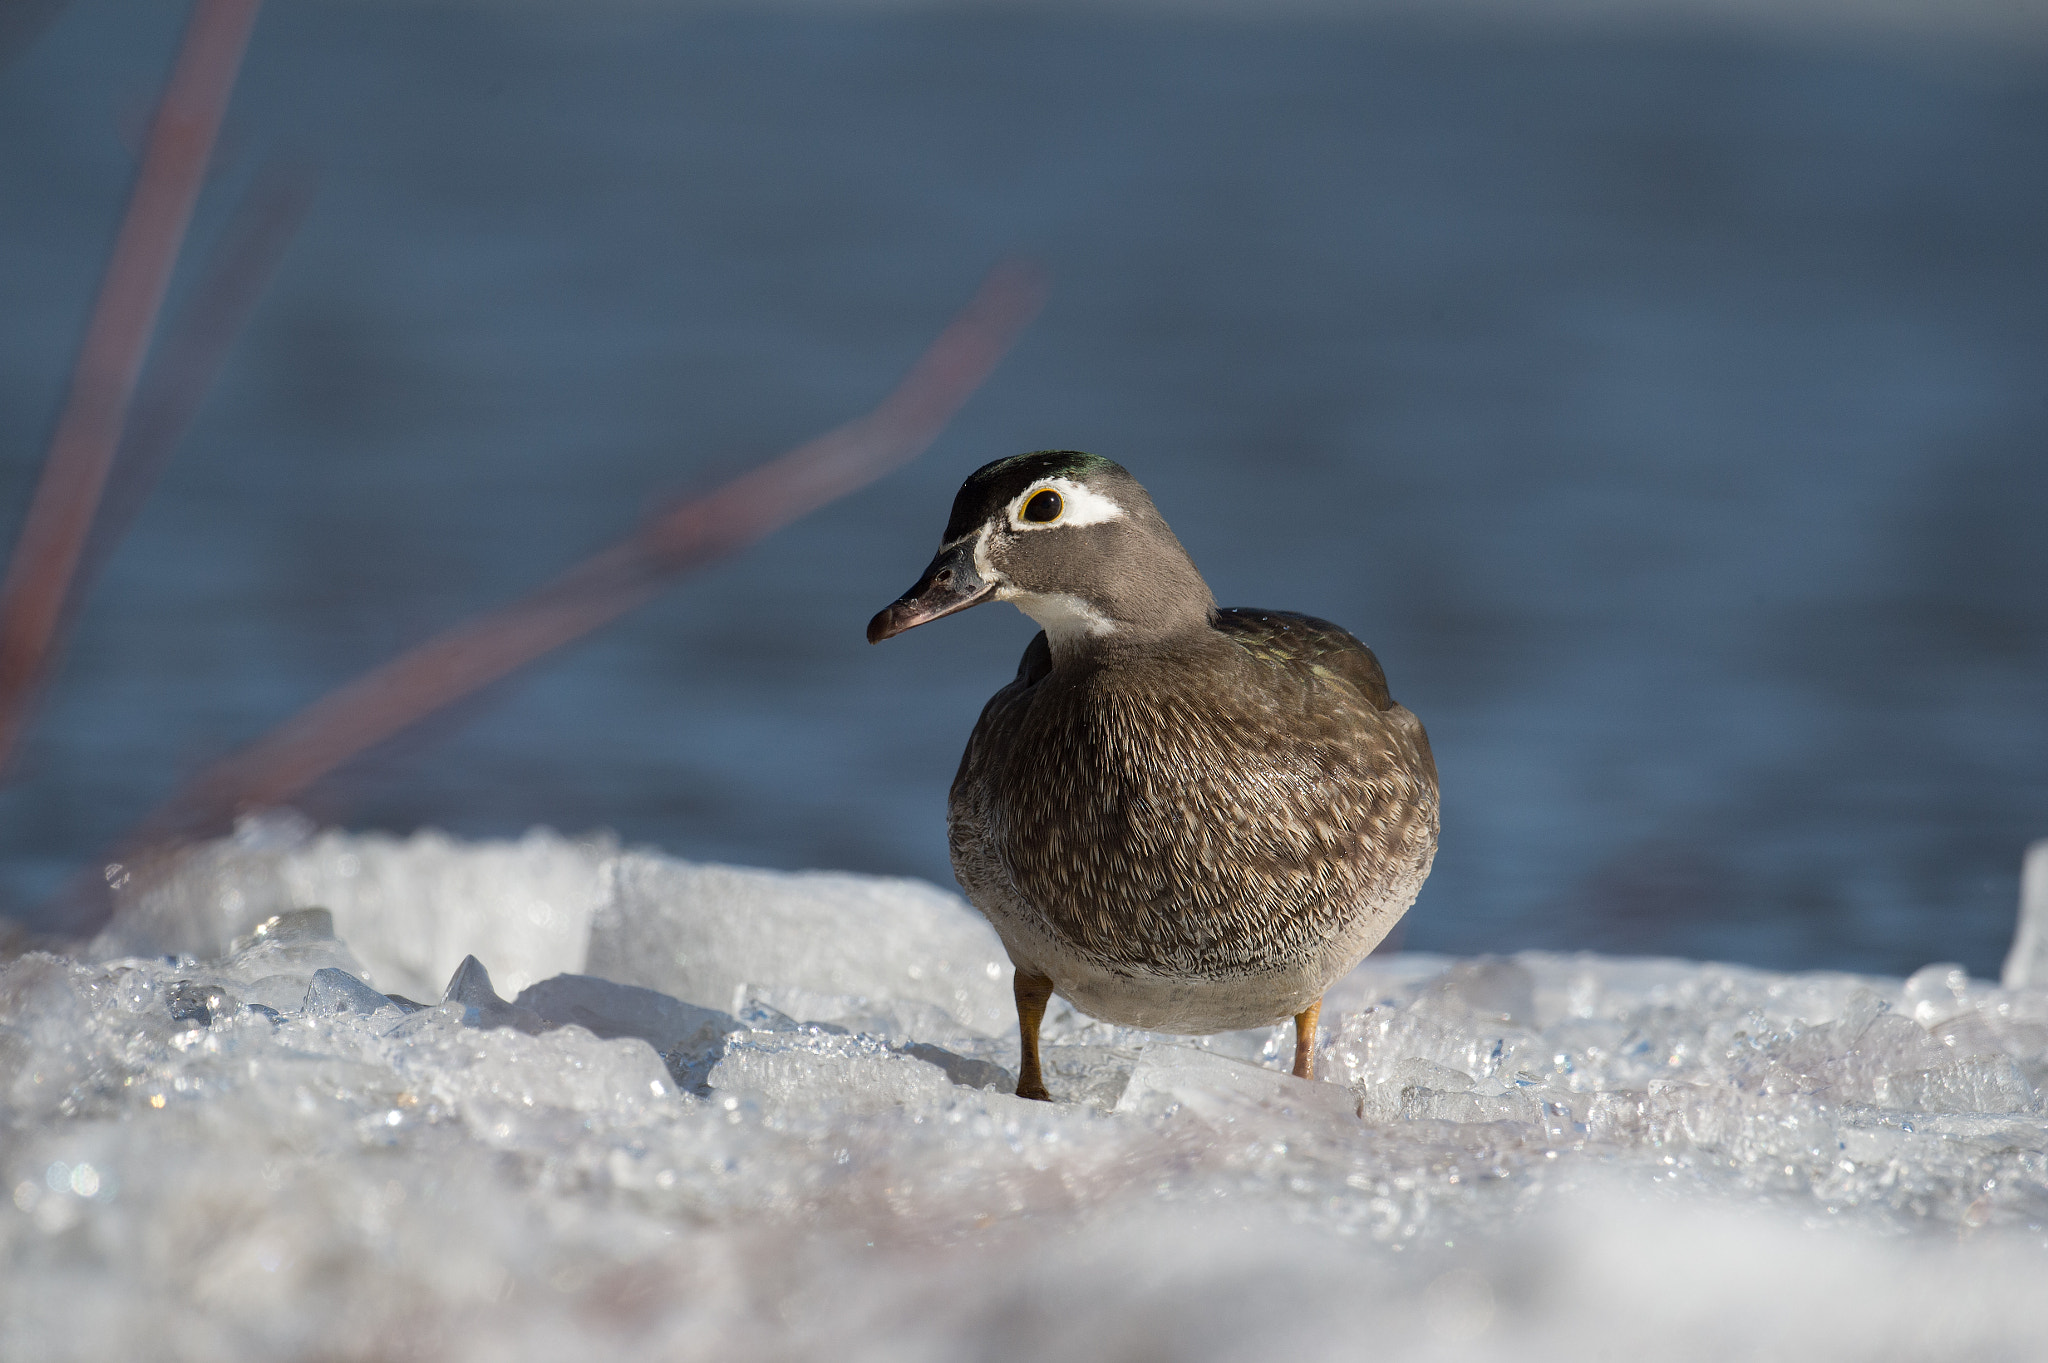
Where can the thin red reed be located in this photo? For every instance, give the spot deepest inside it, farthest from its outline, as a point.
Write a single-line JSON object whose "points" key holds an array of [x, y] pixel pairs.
{"points": [[60, 517], [458, 662], [193, 351]]}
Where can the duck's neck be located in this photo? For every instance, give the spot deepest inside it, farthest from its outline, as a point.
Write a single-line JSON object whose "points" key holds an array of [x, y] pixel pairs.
{"points": [[1079, 629]]}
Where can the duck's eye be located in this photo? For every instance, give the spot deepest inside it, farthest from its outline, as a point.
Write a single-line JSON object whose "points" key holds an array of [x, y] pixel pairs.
{"points": [[1045, 506]]}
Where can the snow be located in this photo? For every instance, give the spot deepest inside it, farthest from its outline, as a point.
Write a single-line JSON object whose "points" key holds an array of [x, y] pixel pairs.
{"points": [[337, 1096]]}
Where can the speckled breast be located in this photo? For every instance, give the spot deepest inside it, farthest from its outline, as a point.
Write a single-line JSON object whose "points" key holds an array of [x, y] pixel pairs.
{"points": [[1196, 818]]}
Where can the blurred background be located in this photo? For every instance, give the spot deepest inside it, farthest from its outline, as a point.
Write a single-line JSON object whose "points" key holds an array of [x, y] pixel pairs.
{"points": [[1662, 392]]}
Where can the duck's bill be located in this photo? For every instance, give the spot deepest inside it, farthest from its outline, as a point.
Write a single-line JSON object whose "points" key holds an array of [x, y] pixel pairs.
{"points": [[950, 584]]}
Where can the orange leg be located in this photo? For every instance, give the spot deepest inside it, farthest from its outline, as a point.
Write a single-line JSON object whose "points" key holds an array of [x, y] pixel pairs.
{"points": [[1033, 992], [1305, 1040]]}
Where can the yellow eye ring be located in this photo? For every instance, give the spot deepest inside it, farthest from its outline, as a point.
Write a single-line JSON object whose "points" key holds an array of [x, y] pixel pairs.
{"points": [[1044, 507]]}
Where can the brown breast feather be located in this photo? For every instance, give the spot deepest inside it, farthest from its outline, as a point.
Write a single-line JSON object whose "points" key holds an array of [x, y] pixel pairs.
{"points": [[1209, 811]]}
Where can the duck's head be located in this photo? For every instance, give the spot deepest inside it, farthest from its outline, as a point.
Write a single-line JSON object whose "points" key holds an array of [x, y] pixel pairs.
{"points": [[1071, 540]]}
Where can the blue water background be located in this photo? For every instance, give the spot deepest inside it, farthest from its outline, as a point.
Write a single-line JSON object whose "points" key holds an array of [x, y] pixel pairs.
{"points": [[1669, 408]]}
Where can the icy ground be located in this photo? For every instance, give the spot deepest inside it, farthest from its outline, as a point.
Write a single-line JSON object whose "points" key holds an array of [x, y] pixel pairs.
{"points": [[695, 1111]]}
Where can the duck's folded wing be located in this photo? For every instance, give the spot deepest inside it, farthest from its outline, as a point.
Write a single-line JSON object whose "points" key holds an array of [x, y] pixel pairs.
{"points": [[1310, 642]]}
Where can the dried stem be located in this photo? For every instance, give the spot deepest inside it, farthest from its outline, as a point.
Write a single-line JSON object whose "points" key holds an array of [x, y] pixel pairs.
{"points": [[454, 664], [46, 557], [193, 350]]}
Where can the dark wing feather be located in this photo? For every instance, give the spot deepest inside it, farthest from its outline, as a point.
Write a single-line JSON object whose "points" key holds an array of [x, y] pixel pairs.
{"points": [[1305, 639]]}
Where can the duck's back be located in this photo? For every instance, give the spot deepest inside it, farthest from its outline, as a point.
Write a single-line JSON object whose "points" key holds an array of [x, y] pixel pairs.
{"points": [[1226, 806]]}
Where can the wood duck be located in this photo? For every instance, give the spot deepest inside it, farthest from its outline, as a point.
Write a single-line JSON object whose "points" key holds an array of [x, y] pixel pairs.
{"points": [[1177, 817]]}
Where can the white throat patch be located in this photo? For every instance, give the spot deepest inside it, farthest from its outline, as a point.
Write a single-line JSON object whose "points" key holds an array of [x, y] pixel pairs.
{"points": [[1078, 506], [1061, 616]]}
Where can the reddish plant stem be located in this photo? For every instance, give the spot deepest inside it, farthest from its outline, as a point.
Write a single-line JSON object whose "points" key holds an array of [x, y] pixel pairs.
{"points": [[194, 348], [53, 536], [454, 664]]}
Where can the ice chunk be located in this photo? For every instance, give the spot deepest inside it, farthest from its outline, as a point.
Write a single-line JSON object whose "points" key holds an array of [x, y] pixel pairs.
{"points": [[544, 1094], [811, 1069], [414, 907], [547, 905], [702, 933], [276, 961], [270, 968], [1937, 993], [420, 904], [965, 1071], [336, 991], [689, 1039], [469, 989], [1222, 1091], [2026, 961], [611, 1010], [1093, 1075], [198, 1004], [901, 1020]]}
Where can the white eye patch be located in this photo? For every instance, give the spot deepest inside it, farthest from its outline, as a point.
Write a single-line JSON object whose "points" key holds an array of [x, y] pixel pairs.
{"points": [[1078, 506]]}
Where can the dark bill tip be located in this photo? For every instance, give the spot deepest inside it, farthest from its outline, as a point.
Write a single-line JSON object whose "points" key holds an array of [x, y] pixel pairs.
{"points": [[890, 621], [950, 584]]}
